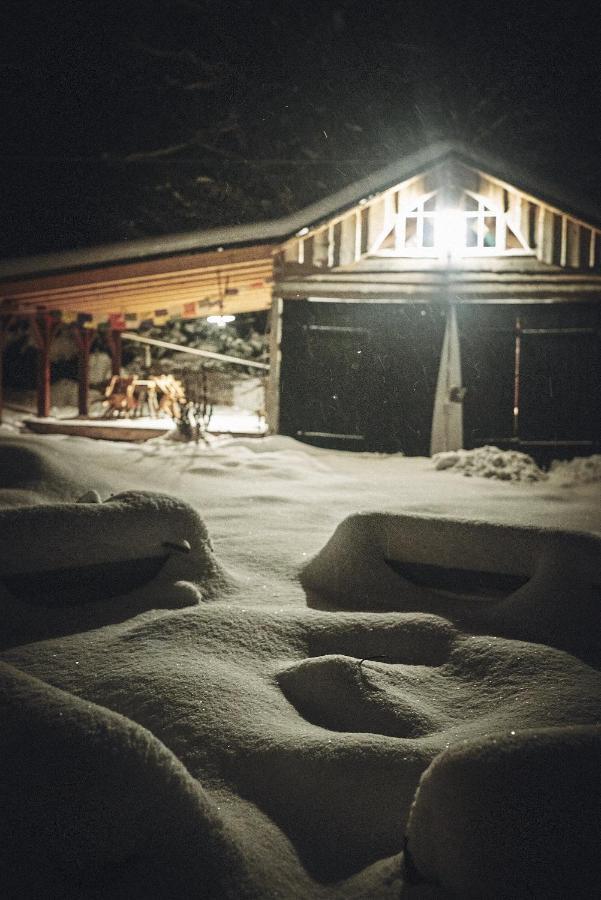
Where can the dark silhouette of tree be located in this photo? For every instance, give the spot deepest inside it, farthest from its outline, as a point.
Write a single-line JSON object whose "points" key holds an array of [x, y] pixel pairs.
{"points": [[153, 116]]}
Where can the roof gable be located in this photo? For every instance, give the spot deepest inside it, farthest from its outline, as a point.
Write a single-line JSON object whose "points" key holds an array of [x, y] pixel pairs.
{"points": [[493, 216], [327, 211]]}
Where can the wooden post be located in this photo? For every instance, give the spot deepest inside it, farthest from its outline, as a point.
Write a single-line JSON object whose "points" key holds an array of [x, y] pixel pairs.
{"points": [[272, 390], [43, 326], [113, 339], [83, 338]]}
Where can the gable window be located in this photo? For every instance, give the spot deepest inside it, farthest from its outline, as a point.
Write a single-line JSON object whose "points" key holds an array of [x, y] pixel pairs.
{"points": [[480, 224], [420, 225], [475, 227]]}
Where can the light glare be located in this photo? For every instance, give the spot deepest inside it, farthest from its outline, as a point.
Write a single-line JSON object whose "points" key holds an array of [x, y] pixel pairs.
{"points": [[450, 227], [220, 321]]}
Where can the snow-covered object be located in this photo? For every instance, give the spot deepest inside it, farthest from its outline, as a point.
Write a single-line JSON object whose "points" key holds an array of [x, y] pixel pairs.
{"points": [[580, 470], [252, 747], [535, 583], [513, 815], [75, 566], [490, 462], [87, 791]]}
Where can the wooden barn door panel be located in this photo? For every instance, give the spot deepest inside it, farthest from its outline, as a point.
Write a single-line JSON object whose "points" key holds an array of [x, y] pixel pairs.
{"points": [[335, 384], [487, 342], [560, 385], [406, 342], [324, 389], [360, 376]]}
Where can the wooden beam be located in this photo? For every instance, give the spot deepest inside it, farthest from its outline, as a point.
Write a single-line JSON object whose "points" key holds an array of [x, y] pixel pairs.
{"points": [[193, 351], [272, 393], [43, 327], [83, 339]]}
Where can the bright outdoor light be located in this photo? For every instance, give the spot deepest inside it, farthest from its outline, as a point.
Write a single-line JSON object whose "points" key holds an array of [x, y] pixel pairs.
{"points": [[450, 232], [220, 321]]}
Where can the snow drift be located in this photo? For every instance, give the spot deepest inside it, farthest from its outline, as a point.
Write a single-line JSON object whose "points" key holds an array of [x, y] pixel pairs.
{"points": [[77, 566], [427, 727]]}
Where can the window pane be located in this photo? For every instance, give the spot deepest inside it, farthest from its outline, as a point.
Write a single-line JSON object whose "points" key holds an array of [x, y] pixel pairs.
{"points": [[469, 203], [428, 232], [471, 239], [490, 231], [411, 231], [430, 205]]}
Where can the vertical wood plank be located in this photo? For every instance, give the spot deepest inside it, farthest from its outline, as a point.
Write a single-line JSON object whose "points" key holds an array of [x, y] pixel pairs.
{"points": [[320, 248], [573, 237], [540, 231], [348, 239], [563, 252], [358, 224], [272, 398]]}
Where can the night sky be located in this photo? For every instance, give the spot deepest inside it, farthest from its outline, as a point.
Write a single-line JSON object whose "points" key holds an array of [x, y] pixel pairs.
{"points": [[124, 119]]}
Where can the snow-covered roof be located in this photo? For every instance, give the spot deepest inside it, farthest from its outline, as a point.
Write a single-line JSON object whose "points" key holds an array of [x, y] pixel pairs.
{"points": [[274, 230]]}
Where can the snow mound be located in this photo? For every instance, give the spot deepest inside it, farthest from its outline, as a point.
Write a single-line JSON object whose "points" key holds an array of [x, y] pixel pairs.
{"points": [[512, 815], [254, 746], [523, 582], [580, 470], [86, 791], [490, 462], [73, 566], [30, 474]]}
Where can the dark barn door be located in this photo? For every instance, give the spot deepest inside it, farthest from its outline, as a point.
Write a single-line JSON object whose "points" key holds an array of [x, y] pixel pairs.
{"points": [[560, 386], [487, 343], [533, 378], [335, 384], [360, 376]]}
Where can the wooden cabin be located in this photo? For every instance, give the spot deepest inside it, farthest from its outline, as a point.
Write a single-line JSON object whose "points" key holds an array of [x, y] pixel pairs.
{"points": [[447, 300]]}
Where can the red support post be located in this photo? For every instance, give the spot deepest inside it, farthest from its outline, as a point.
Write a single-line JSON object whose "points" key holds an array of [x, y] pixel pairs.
{"points": [[83, 338], [113, 339], [43, 325]]}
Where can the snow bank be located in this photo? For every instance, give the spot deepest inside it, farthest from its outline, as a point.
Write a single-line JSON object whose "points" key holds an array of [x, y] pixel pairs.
{"points": [[88, 797], [512, 815], [580, 470], [75, 566], [535, 583], [490, 462], [254, 747]]}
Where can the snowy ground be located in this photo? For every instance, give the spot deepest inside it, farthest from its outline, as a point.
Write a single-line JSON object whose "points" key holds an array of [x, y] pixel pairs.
{"points": [[268, 741]]}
